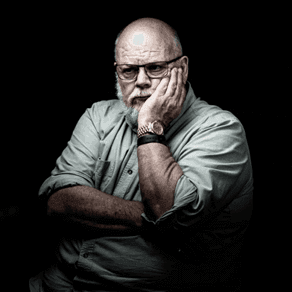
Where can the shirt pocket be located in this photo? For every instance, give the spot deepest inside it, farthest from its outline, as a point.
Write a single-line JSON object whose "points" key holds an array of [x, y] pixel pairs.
{"points": [[102, 174]]}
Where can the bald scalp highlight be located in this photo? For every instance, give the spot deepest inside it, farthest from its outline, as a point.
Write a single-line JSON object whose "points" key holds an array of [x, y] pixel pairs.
{"points": [[151, 28]]}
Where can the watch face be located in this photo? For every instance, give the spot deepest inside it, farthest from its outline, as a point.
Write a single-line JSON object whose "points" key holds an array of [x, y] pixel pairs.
{"points": [[157, 127]]}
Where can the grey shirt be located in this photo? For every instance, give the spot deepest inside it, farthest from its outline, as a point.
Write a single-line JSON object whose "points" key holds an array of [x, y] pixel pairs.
{"points": [[191, 245]]}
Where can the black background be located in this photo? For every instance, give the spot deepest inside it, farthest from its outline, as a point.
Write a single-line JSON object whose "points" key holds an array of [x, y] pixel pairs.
{"points": [[58, 61]]}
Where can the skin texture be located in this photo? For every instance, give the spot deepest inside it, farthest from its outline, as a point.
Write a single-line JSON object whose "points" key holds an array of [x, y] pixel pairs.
{"points": [[95, 211]]}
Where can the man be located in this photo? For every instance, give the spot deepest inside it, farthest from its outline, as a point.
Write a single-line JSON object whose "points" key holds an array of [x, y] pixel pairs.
{"points": [[156, 186]]}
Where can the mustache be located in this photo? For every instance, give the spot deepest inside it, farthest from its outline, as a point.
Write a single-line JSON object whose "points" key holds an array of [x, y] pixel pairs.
{"points": [[140, 94]]}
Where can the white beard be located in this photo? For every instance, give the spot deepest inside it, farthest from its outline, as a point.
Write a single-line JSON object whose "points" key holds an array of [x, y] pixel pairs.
{"points": [[131, 113]]}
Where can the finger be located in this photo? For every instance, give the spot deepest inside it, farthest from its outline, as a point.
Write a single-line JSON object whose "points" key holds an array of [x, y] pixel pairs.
{"points": [[162, 86], [172, 83], [179, 87]]}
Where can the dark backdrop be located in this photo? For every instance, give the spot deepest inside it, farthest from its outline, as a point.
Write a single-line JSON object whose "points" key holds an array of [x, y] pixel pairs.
{"points": [[59, 62]]}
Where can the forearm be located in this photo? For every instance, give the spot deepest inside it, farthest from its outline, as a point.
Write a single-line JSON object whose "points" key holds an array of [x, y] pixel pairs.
{"points": [[158, 176], [89, 206]]}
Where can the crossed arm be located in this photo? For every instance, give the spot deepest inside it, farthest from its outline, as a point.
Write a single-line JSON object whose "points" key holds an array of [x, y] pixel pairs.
{"points": [[92, 208]]}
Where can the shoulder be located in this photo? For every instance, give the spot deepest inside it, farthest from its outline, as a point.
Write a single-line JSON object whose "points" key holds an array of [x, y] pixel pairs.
{"points": [[104, 108], [105, 115], [212, 117], [215, 129], [220, 117], [209, 112], [105, 112]]}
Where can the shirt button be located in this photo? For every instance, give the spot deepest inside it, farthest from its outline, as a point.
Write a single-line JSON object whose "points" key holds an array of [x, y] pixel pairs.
{"points": [[85, 255], [130, 171]]}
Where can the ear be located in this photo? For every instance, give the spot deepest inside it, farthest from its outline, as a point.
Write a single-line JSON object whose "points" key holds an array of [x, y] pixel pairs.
{"points": [[184, 62]]}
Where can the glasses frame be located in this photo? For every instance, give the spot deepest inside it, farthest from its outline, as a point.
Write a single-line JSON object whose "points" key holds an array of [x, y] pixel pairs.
{"points": [[132, 80]]}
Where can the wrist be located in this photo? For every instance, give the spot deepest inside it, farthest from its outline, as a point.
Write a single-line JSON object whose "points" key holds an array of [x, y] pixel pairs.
{"points": [[151, 138], [145, 122], [154, 127]]}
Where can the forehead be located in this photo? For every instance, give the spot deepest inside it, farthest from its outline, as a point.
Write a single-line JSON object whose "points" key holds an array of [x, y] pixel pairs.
{"points": [[141, 48]]}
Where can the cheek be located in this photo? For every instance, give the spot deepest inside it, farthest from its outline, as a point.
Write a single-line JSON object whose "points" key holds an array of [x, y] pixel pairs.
{"points": [[126, 89], [155, 83]]}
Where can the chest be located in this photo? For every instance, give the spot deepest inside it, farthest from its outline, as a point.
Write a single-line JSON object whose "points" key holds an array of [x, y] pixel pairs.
{"points": [[116, 169]]}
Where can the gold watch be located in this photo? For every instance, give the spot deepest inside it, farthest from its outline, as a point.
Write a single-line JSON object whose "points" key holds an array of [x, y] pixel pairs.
{"points": [[154, 127]]}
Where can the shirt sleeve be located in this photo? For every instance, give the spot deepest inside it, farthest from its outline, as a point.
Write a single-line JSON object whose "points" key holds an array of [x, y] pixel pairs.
{"points": [[76, 164], [216, 170]]}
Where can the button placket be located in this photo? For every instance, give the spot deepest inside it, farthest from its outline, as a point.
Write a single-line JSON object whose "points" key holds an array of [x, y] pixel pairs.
{"points": [[85, 251], [127, 175]]}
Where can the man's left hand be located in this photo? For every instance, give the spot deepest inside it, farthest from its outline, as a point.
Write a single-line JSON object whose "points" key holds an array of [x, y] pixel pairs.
{"points": [[166, 102]]}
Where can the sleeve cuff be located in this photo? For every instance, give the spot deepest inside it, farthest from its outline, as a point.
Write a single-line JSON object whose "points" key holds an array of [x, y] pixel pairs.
{"points": [[185, 193], [56, 182]]}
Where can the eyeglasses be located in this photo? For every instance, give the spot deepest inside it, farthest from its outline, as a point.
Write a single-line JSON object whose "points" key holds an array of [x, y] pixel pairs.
{"points": [[129, 73]]}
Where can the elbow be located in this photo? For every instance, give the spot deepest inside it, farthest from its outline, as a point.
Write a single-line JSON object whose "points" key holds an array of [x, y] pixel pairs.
{"points": [[157, 203], [51, 206], [155, 211], [54, 205]]}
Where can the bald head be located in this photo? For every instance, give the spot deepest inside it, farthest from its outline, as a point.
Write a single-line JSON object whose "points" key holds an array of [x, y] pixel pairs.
{"points": [[147, 37]]}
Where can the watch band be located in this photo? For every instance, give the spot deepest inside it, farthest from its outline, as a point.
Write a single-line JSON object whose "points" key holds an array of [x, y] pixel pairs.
{"points": [[143, 130], [151, 138], [149, 129]]}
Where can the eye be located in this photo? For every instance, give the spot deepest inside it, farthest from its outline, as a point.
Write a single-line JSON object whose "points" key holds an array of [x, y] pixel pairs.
{"points": [[128, 70], [154, 67]]}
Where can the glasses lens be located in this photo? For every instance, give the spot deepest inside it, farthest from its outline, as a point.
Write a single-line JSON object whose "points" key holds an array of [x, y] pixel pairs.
{"points": [[127, 72], [156, 69]]}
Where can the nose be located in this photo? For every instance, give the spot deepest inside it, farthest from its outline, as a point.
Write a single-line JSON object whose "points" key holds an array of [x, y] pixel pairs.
{"points": [[142, 79]]}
